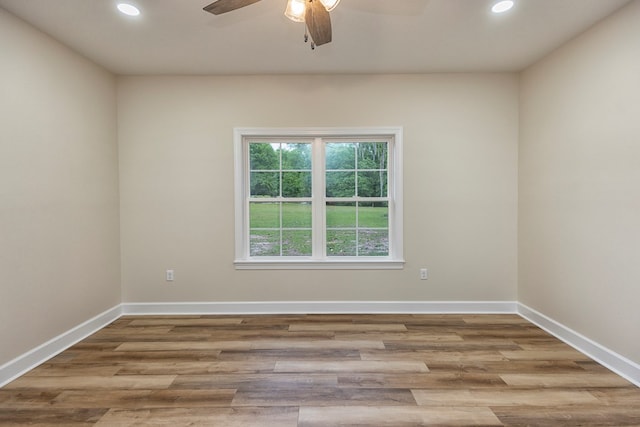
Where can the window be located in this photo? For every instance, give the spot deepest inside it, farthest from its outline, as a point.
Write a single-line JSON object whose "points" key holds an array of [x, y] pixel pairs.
{"points": [[318, 198]]}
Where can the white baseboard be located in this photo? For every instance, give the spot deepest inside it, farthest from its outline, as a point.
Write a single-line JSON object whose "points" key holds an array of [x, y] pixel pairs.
{"points": [[322, 307], [24, 363], [606, 357]]}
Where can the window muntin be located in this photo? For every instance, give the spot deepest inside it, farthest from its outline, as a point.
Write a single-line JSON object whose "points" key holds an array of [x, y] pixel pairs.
{"points": [[316, 197]]}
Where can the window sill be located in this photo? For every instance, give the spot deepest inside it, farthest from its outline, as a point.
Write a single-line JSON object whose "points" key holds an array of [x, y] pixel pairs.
{"points": [[307, 264]]}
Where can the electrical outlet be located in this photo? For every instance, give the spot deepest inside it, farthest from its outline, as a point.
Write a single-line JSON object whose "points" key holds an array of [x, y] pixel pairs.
{"points": [[169, 275], [424, 274]]}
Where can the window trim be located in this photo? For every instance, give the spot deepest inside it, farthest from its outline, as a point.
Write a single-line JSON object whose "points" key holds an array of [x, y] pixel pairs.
{"points": [[242, 259]]}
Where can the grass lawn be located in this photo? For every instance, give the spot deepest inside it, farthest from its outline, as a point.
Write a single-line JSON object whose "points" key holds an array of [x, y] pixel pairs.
{"points": [[298, 215], [342, 239]]}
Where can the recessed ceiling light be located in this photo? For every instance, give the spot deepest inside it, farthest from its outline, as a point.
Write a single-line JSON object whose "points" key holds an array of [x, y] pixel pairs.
{"points": [[502, 6], [128, 9]]}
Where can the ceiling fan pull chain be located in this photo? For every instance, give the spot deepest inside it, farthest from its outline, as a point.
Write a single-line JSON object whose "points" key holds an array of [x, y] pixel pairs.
{"points": [[306, 38]]}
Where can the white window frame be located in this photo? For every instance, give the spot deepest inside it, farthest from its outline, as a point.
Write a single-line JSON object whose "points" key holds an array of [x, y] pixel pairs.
{"points": [[243, 260]]}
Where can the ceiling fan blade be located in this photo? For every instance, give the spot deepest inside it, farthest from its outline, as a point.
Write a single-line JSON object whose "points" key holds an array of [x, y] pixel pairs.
{"points": [[318, 22], [223, 6]]}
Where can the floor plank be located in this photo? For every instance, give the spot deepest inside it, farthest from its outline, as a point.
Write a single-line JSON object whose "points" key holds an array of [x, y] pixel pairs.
{"points": [[267, 344], [74, 369], [502, 397], [556, 354], [326, 396], [348, 327], [581, 380], [33, 382], [387, 367], [255, 381], [227, 417], [290, 354], [395, 416], [568, 416], [145, 399], [194, 368], [155, 321], [453, 380], [51, 417], [435, 356]]}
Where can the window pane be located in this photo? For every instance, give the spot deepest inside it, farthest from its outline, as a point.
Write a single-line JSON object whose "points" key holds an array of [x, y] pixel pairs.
{"points": [[372, 184], [264, 215], [296, 215], [341, 215], [296, 184], [263, 156], [373, 215], [341, 184], [296, 156], [372, 155], [264, 243], [341, 243], [373, 242], [340, 155], [296, 242], [265, 184]]}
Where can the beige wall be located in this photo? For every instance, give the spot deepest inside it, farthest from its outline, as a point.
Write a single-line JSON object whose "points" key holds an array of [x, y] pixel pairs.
{"points": [[460, 180], [59, 238], [579, 212]]}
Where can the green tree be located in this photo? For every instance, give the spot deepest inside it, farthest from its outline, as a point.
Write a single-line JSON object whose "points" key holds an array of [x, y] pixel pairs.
{"points": [[296, 170], [373, 157], [340, 155], [368, 159], [263, 157], [296, 184], [296, 156]]}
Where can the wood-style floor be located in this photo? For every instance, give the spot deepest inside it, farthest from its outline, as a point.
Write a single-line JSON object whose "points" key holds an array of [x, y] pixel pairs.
{"points": [[321, 370]]}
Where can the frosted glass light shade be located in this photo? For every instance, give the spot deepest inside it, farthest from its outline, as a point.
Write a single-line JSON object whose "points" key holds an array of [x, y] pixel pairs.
{"points": [[329, 4], [295, 10]]}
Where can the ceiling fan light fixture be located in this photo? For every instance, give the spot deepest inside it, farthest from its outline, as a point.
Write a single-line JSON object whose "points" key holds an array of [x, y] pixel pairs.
{"points": [[295, 10], [329, 4]]}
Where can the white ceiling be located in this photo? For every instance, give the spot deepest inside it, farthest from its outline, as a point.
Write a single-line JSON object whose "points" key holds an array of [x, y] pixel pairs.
{"points": [[369, 36]]}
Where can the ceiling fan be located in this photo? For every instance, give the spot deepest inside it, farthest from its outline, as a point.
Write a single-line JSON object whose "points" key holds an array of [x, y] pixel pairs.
{"points": [[314, 13]]}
